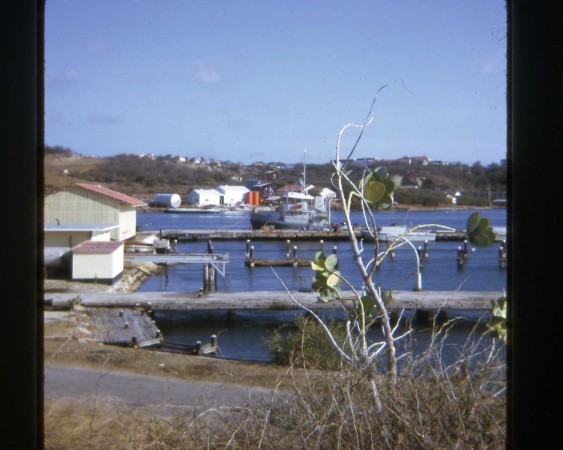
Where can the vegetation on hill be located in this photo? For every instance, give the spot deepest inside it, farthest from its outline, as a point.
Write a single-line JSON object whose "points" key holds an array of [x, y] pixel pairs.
{"points": [[425, 185]]}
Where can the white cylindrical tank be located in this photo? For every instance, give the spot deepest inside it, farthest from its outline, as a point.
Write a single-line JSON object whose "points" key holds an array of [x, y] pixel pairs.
{"points": [[167, 200]]}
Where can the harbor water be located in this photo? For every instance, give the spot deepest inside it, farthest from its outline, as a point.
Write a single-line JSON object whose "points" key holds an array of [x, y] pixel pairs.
{"points": [[242, 335]]}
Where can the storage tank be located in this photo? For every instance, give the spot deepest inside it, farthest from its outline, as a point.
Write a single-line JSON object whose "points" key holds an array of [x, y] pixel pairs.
{"points": [[167, 200], [252, 197]]}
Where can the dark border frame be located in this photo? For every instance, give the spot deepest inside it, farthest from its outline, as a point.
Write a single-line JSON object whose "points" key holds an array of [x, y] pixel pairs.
{"points": [[534, 141]]}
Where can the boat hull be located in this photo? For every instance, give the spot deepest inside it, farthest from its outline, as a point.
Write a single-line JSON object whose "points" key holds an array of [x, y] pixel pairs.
{"points": [[280, 221]]}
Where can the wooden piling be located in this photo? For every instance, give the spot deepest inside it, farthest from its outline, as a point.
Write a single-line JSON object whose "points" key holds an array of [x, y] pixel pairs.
{"points": [[502, 256], [460, 258]]}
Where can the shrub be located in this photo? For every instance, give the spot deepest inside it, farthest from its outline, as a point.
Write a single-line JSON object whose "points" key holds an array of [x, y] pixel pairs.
{"points": [[307, 344]]}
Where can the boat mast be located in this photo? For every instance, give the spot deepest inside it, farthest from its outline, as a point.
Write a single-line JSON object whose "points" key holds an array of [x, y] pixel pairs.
{"points": [[304, 170]]}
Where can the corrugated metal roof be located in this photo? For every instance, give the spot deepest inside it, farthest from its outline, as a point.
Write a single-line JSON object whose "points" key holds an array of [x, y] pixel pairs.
{"points": [[112, 194], [97, 247]]}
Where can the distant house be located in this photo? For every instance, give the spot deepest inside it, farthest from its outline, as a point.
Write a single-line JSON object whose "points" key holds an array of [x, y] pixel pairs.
{"points": [[365, 162], [422, 160], [204, 197], [327, 193], [232, 195], [92, 208]]}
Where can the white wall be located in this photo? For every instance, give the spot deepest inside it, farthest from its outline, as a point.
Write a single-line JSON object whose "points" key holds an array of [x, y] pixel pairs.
{"points": [[101, 266], [202, 197]]}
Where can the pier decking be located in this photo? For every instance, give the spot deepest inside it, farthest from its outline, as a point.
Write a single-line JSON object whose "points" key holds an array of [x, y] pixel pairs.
{"points": [[273, 300], [294, 235], [127, 327]]}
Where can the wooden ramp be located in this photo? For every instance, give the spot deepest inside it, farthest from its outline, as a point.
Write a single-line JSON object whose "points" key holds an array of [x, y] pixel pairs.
{"points": [[130, 327]]}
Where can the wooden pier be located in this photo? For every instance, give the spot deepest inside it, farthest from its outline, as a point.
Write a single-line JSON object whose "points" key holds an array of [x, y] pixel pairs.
{"points": [[278, 235], [199, 349], [130, 327], [272, 300], [289, 262]]}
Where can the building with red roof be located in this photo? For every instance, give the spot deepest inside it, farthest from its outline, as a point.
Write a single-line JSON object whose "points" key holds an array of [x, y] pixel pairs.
{"points": [[92, 205]]}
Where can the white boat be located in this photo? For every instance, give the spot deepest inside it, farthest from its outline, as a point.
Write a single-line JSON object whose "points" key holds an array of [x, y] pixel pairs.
{"points": [[392, 232], [293, 211]]}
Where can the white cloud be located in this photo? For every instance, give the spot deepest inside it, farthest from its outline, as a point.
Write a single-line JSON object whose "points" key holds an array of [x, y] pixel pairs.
{"points": [[204, 74]]}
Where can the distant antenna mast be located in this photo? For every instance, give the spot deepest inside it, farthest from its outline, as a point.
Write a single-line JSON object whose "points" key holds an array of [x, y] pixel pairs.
{"points": [[304, 170]]}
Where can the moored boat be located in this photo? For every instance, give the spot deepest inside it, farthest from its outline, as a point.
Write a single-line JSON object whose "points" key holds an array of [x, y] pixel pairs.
{"points": [[292, 211]]}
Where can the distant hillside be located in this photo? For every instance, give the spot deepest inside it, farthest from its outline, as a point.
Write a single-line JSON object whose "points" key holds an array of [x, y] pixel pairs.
{"points": [[425, 185]]}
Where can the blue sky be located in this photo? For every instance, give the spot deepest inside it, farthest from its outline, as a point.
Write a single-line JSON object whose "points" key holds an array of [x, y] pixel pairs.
{"points": [[249, 81]]}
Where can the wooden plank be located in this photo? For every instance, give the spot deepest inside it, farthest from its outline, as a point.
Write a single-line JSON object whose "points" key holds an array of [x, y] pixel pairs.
{"points": [[275, 300], [277, 262], [127, 326]]}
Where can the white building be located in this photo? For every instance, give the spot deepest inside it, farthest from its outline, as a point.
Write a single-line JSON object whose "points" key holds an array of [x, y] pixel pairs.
{"points": [[204, 197], [95, 207], [327, 193], [97, 260], [232, 195]]}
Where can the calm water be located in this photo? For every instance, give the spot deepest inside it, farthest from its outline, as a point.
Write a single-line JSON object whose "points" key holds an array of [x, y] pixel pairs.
{"points": [[242, 337]]}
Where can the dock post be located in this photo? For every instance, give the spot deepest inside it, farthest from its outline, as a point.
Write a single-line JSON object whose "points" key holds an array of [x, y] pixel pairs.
{"points": [[198, 348], [335, 252], [208, 270], [418, 281], [206, 277], [251, 256], [502, 255], [213, 340], [392, 252], [460, 258]]}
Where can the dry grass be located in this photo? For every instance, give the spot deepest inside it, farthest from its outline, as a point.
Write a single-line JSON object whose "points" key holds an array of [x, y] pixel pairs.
{"points": [[67, 341], [459, 405]]}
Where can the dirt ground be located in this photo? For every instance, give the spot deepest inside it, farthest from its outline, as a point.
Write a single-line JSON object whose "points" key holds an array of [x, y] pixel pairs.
{"points": [[68, 339]]}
